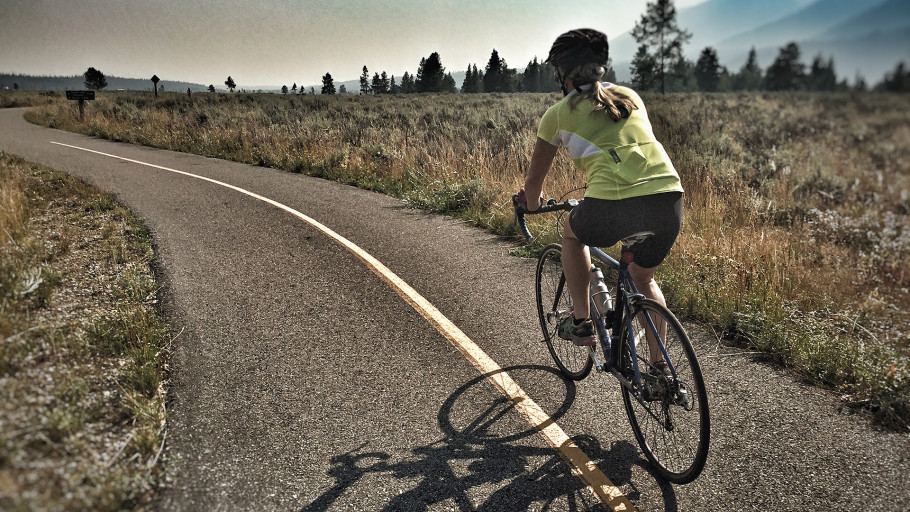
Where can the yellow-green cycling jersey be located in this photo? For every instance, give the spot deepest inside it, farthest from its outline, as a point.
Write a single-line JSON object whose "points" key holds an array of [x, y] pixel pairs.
{"points": [[621, 159]]}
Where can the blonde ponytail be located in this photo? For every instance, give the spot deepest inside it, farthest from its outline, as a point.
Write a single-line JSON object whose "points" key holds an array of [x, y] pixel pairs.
{"points": [[607, 100]]}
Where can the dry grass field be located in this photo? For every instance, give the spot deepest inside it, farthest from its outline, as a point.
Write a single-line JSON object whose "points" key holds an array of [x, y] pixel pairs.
{"points": [[796, 235]]}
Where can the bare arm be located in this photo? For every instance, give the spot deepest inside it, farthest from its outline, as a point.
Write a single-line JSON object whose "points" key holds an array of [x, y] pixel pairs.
{"points": [[541, 159]]}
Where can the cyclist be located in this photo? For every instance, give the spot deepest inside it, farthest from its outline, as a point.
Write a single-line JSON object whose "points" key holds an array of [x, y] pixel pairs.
{"points": [[632, 185]]}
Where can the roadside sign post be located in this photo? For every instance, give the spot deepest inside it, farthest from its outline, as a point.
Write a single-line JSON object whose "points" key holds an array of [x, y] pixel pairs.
{"points": [[155, 80], [81, 97]]}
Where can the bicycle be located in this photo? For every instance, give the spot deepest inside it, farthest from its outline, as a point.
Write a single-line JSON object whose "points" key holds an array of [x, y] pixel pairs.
{"points": [[666, 403]]}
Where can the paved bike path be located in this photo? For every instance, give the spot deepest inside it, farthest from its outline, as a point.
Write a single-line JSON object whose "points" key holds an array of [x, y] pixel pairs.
{"points": [[301, 382]]}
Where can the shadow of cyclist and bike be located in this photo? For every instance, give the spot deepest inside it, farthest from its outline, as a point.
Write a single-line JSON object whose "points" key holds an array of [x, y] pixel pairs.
{"points": [[481, 446]]}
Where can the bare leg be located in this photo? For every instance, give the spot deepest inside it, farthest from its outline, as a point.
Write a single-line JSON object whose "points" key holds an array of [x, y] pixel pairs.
{"points": [[576, 264], [644, 281]]}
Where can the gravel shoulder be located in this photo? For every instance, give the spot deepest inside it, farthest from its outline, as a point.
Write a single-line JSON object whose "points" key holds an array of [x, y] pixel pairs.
{"points": [[75, 431]]}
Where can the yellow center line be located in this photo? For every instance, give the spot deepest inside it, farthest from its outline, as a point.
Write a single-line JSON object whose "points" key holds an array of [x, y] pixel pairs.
{"points": [[581, 465]]}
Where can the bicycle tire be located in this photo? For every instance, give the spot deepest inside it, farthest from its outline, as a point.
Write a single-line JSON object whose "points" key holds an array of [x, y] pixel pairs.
{"points": [[673, 432], [553, 297]]}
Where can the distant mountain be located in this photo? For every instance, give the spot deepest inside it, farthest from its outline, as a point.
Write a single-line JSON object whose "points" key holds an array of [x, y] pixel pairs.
{"points": [[710, 22], [72, 83], [869, 43], [863, 37], [717, 20], [889, 16], [871, 56], [809, 22]]}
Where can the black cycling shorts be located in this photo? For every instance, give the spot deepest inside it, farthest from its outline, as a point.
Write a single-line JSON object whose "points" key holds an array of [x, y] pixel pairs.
{"points": [[603, 223]]}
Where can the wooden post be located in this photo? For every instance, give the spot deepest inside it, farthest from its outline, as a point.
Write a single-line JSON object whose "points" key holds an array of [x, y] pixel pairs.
{"points": [[81, 97]]}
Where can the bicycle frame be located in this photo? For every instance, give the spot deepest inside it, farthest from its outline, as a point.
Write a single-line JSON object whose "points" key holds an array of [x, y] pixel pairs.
{"points": [[625, 296], [668, 410]]}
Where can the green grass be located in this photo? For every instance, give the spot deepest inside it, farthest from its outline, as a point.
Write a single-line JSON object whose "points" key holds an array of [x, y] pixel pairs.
{"points": [[796, 239]]}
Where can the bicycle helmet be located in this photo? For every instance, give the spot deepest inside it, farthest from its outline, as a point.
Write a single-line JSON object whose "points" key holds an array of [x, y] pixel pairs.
{"points": [[579, 54]]}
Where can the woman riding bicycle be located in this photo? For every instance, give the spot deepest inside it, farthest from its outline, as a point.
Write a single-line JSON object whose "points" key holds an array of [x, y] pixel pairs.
{"points": [[632, 185]]}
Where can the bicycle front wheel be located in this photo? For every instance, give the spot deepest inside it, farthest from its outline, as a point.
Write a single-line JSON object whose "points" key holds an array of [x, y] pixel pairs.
{"points": [[669, 415], [553, 301]]}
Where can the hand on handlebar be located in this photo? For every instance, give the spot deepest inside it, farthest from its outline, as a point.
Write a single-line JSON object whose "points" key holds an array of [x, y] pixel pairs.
{"points": [[519, 201], [522, 201]]}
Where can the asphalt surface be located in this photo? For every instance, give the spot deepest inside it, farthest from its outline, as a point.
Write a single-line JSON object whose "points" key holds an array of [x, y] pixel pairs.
{"points": [[300, 381]]}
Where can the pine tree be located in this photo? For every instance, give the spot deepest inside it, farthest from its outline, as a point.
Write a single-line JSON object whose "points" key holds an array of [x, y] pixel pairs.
{"points": [[530, 79], [448, 84], [896, 81], [749, 77], [786, 73], [610, 75], [707, 70], [467, 80], [430, 74], [644, 70], [94, 79], [230, 83], [726, 80], [548, 78], [407, 83], [478, 80], [365, 81], [497, 76], [821, 75], [492, 72], [376, 84], [328, 85], [658, 30], [419, 77], [473, 81], [682, 76]]}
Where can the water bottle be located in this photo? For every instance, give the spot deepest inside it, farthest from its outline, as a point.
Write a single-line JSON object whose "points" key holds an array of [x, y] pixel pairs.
{"points": [[599, 293]]}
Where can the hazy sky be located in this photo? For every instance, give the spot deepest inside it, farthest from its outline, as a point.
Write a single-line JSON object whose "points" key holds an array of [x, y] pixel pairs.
{"points": [[281, 42]]}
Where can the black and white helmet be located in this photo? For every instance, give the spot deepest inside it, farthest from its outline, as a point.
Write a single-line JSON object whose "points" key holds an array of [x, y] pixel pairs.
{"points": [[580, 54]]}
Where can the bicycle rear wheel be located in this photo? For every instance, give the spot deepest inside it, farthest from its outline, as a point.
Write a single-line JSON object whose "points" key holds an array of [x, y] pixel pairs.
{"points": [[553, 299], [670, 416]]}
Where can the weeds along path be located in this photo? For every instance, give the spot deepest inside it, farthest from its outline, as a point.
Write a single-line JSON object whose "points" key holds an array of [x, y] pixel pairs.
{"points": [[301, 381]]}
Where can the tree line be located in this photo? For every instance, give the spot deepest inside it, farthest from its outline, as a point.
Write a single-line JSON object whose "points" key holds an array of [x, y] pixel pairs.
{"points": [[650, 72], [658, 65], [432, 77]]}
